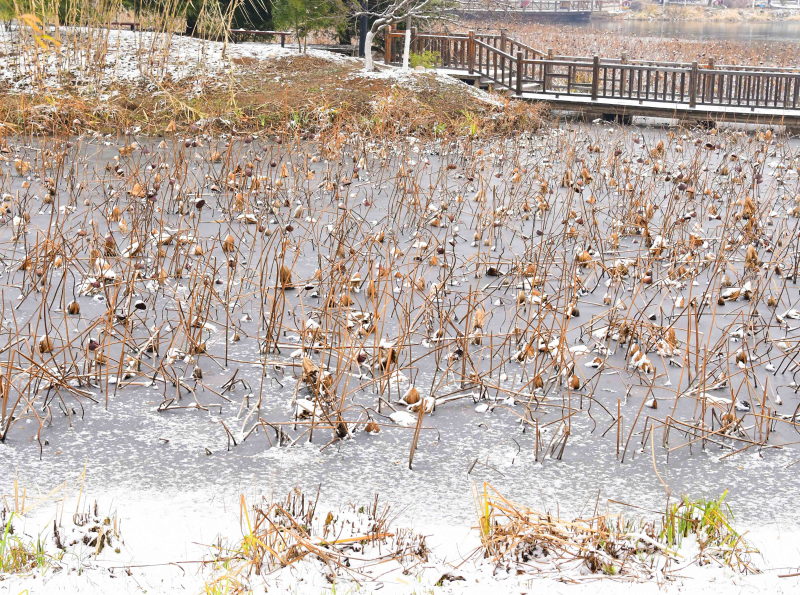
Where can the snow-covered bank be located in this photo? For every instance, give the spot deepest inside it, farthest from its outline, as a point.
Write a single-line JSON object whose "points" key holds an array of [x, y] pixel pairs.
{"points": [[166, 536], [148, 58], [155, 83], [130, 57]]}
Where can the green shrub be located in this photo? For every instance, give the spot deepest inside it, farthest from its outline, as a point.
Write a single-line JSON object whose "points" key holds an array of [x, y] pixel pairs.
{"points": [[427, 59]]}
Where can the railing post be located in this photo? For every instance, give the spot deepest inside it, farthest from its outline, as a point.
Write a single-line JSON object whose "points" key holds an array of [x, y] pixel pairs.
{"points": [[693, 85], [595, 76], [502, 40], [387, 46], [413, 40], [471, 51], [709, 93], [546, 81], [519, 74]]}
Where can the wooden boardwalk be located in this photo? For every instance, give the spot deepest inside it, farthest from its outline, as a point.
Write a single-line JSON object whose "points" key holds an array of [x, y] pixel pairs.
{"points": [[614, 86]]}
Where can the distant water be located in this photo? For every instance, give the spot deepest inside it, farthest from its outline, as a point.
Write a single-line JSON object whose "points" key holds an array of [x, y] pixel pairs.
{"points": [[755, 31]]}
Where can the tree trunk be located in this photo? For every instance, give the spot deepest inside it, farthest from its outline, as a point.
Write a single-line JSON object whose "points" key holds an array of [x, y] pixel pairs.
{"points": [[407, 46], [368, 65], [362, 36], [191, 26]]}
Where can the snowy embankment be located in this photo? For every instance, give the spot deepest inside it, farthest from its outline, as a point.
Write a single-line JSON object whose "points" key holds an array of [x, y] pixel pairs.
{"points": [[160, 541], [121, 58]]}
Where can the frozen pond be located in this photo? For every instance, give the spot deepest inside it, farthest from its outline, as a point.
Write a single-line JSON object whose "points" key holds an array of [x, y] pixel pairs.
{"points": [[139, 438], [701, 30]]}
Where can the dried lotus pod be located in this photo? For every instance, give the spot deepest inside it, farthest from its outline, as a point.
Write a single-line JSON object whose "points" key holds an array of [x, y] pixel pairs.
{"points": [[285, 277], [748, 208], [411, 396], [751, 258], [45, 344]]}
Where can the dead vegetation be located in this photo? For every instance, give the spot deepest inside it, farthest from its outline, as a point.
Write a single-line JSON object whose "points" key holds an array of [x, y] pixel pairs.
{"points": [[307, 261], [266, 105], [527, 541], [63, 543], [345, 544], [58, 77], [490, 274]]}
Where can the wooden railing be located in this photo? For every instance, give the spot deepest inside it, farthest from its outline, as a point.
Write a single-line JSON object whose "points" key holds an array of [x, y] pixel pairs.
{"points": [[453, 51], [664, 84], [132, 25], [523, 69], [239, 34]]}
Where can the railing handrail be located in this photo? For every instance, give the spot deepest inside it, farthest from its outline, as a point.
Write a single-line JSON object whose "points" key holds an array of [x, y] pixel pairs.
{"points": [[283, 34], [527, 47], [259, 32], [581, 60], [641, 67], [401, 34], [658, 63], [494, 49], [590, 65]]}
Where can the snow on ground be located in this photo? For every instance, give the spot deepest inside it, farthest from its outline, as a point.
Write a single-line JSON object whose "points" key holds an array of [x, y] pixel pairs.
{"points": [[151, 58], [132, 57], [165, 535], [410, 78]]}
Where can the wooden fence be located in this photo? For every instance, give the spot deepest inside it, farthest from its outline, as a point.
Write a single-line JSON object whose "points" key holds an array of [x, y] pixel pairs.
{"points": [[512, 65], [239, 34]]}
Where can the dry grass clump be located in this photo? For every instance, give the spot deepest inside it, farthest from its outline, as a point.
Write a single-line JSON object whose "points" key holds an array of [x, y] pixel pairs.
{"points": [[20, 555], [530, 541], [301, 93], [83, 537], [709, 521], [292, 533]]}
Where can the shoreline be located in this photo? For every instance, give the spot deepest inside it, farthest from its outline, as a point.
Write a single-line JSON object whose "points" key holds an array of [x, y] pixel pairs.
{"points": [[164, 543], [277, 91], [695, 13]]}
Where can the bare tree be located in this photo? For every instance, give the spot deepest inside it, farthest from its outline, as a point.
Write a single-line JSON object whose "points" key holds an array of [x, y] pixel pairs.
{"points": [[396, 12]]}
